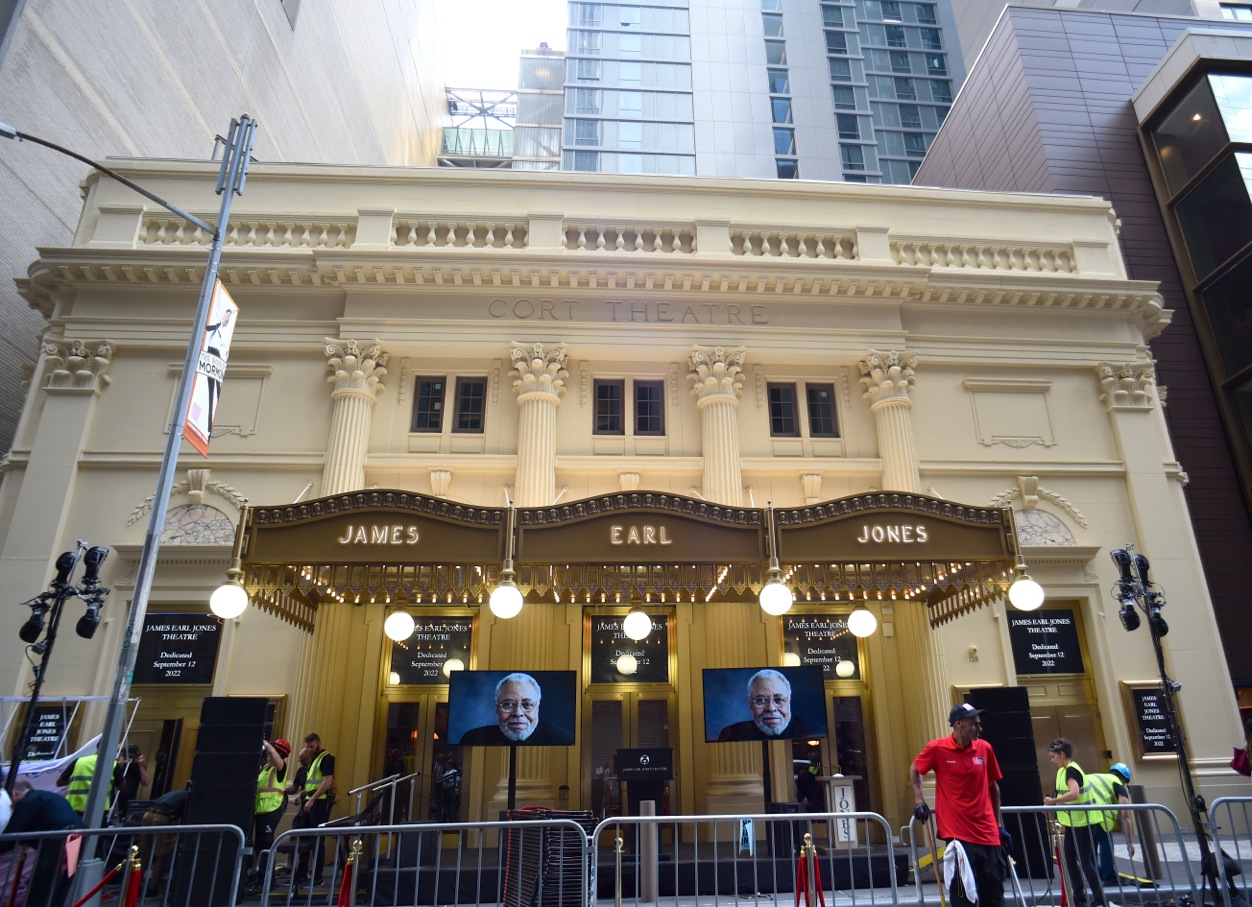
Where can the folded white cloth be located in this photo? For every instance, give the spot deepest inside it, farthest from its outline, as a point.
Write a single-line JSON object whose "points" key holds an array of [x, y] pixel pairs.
{"points": [[956, 864]]}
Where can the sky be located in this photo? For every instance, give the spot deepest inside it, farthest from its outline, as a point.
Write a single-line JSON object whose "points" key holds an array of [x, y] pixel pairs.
{"points": [[481, 38]]}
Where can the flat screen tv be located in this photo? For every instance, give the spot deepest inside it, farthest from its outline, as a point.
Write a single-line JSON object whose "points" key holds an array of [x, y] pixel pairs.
{"points": [[764, 704], [511, 708]]}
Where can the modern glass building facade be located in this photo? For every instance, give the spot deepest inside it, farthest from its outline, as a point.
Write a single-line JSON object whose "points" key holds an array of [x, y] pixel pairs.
{"points": [[850, 91]]}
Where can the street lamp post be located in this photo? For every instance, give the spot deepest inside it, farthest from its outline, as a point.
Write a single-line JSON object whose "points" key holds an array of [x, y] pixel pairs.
{"points": [[1136, 593], [230, 182]]}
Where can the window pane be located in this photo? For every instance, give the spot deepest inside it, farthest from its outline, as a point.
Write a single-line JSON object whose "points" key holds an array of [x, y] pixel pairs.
{"points": [[845, 98], [915, 144], [906, 90], [836, 42], [1229, 307], [832, 17], [910, 116], [900, 62], [782, 411], [895, 36], [891, 11], [609, 410], [930, 39], [649, 408], [428, 396], [775, 53], [853, 157], [1234, 99], [773, 25], [779, 83], [587, 161], [936, 65], [940, 91], [781, 108], [471, 404], [849, 128], [788, 169], [822, 420], [840, 71], [784, 142], [586, 132], [926, 14], [1237, 12], [1216, 216]]}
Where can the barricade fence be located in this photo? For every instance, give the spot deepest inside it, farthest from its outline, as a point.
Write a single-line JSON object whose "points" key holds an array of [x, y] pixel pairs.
{"points": [[1231, 821], [543, 858], [156, 866]]}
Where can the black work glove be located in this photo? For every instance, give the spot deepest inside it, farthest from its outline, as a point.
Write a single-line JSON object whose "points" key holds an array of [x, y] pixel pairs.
{"points": [[921, 812], [1006, 839]]}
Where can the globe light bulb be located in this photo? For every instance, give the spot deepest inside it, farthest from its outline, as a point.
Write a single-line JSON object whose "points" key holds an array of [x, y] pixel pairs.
{"points": [[637, 625], [845, 668], [394, 679], [791, 660], [776, 597], [452, 664], [1025, 594], [399, 625], [506, 599], [229, 599], [627, 663], [862, 622]]}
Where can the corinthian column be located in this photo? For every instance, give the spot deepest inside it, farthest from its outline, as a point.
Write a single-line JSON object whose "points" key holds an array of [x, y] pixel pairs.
{"points": [[357, 373], [540, 382], [717, 374], [888, 378]]}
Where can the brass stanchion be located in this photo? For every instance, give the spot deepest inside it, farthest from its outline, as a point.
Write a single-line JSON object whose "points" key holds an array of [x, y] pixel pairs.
{"points": [[618, 886]]}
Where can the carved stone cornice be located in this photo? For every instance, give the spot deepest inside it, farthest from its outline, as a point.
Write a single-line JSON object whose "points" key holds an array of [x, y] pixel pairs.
{"points": [[1128, 385], [77, 366], [538, 370], [716, 373], [356, 369], [887, 376]]}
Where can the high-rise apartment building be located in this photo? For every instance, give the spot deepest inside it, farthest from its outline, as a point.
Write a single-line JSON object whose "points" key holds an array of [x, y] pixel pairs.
{"points": [[843, 90]]}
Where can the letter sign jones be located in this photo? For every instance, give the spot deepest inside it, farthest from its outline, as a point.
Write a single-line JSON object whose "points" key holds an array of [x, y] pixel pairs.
{"points": [[902, 533]]}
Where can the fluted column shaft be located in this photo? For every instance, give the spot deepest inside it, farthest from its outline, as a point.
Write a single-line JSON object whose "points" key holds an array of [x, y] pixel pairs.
{"points": [[717, 376], [539, 382], [887, 378], [357, 373]]}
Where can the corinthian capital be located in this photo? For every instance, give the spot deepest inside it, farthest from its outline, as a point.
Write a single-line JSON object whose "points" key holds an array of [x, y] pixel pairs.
{"points": [[1128, 385], [888, 375], [77, 366], [538, 370], [716, 372], [356, 367]]}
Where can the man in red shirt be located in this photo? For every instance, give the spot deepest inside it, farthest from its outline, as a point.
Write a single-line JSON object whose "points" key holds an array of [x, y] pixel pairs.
{"points": [[967, 803]]}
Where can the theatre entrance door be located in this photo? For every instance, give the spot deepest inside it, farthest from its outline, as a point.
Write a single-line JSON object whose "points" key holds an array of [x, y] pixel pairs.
{"points": [[621, 720], [414, 741]]}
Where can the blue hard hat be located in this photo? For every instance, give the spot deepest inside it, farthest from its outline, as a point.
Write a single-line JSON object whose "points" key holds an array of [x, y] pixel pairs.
{"points": [[1120, 768]]}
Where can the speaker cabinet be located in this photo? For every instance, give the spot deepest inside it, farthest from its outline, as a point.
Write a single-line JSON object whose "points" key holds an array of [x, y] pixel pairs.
{"points": [[1007, 727], [222, 792]]}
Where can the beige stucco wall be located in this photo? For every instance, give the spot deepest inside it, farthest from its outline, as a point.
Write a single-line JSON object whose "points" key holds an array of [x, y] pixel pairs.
{"points": [[1011, 303]]}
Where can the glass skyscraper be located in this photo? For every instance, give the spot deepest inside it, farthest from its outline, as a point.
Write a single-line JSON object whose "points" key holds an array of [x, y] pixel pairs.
{"points": [[850, 90]]}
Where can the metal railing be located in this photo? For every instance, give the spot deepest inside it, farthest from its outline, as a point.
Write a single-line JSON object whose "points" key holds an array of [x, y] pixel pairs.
{"points": [[178, 866], [1231, 822], [1154, 875]]}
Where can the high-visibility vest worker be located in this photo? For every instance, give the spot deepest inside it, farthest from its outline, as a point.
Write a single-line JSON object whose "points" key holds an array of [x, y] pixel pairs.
{"points": [[1076, 819], [1103, 791], [314, 779], [80, 782], [270, 795]]}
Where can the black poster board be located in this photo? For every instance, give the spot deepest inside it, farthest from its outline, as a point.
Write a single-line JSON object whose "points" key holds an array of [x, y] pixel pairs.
{"points": [[609, 643], [1045, 642], [47, 729], [823, 640], [651, 764], [434, 642], [1147, 708], [178, 648]]}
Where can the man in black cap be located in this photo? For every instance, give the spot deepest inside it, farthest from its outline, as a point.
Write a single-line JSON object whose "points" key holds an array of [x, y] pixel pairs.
{"points": [[967, 804]]}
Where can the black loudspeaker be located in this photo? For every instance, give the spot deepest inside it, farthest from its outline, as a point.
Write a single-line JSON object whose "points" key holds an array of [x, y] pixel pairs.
{"points": [[222, 792], [1008, 728]]}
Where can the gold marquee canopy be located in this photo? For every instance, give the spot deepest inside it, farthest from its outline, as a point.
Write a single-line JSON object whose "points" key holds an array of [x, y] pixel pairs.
{"points": [[401, 547]]}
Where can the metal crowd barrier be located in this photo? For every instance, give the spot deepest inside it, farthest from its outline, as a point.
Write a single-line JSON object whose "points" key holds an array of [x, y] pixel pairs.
{"points": [[521, 863], [1231, 821], [752, 858], [175, 866]]}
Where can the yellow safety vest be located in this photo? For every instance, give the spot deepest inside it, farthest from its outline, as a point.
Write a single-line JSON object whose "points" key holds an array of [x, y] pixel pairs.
{"points": [[314, 778], [1102, 791], [269, 793], [1075, 819], [80, 783]]}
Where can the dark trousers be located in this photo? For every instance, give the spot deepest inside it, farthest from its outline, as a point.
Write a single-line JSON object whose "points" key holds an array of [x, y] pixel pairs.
{"points": [[1104, 855], [1080, 863], [318, 813], [263, 827], [49, 884], [990, 867]]}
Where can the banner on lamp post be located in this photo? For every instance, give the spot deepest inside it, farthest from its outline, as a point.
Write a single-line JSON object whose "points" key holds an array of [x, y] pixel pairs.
{"points": [[206, 389]]}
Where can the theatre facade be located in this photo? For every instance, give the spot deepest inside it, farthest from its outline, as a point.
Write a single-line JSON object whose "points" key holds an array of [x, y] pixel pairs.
{"points": [[648, 394]]}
